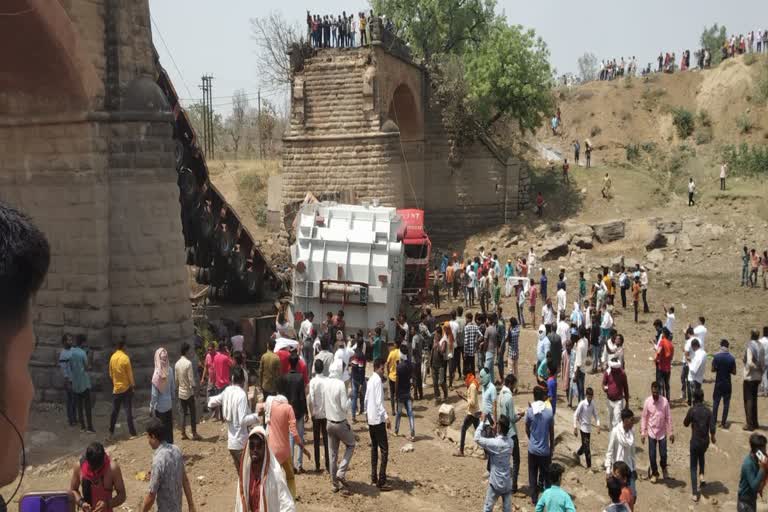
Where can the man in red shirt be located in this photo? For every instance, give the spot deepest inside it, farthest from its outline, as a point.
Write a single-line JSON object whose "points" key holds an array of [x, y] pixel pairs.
{"points": [[222, 363], [664, 354], [285, 364], [616, 389]]}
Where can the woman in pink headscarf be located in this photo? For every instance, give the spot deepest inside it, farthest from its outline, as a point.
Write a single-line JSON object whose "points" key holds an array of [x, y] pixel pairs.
{"points": [[163, 387]]}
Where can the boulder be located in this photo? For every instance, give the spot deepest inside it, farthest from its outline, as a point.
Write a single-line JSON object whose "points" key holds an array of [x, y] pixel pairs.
{"points": [[609, 231], [512, 241], [555, 248], [407, 448], [684, 242], [617, 263], [583, 242], [669, 226], [446, 415], [657, 241]]}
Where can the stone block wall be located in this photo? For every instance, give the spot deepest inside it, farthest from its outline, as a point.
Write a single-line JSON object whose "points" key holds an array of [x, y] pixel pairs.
{"points": [[368, 165], [104, 193]]}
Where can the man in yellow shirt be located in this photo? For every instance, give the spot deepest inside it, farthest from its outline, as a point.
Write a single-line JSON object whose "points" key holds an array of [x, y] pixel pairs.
{"points": [[121, 373], [392, 359]]}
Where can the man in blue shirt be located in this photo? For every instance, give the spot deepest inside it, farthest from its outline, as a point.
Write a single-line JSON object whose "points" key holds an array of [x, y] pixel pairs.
{"points": [[539, 426], [554, 498], [499, 450], [723, 365], [489, 395], [543, 285], [64, 356], [81, 383], [552, 387]]}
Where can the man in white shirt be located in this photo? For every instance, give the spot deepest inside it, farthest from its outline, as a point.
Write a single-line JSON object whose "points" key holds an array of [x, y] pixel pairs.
{"points": [[336, 406], [696, 367], [185, 388], [564, 331], [582, 423], [686, 391], [306, 339], [764, 346], [691, 190], [317, 408], [723, 174], [701, 332], [644, 288], [234, 406], [238, 341], [378, 424], [581, 352], [670, 322], [621, 447], [561, 303]]}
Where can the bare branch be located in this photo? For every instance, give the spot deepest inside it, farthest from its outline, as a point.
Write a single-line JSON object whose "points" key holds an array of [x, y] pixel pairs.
{"points": [[273, 36]]}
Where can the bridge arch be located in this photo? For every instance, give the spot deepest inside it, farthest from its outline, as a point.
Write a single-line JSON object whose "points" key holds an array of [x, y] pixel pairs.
{"points": [[405, 111]]}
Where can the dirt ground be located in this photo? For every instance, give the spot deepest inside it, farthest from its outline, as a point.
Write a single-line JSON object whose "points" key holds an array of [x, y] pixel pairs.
{"points": [[698, 274]]}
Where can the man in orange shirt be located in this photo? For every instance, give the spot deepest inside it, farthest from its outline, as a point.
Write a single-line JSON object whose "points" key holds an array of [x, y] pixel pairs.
{"points": [[636, 295], [281, 422], [449, 276]]}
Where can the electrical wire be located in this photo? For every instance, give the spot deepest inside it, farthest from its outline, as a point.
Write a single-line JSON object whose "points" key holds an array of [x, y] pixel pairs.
{"points": [[162, 39]]}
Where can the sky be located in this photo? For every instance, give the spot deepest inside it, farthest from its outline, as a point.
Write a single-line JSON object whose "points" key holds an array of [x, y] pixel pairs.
{"points": [[196, 37]]}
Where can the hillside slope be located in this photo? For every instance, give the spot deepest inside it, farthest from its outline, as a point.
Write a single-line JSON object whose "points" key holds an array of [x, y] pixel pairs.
{"points": [[639, 110]]}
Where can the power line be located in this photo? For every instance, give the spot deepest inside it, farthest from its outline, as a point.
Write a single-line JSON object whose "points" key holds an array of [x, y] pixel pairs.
{"points": [[162, 39]]}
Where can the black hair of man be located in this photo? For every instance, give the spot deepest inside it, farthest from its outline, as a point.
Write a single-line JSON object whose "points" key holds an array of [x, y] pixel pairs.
{"points": [[689, 331], [120, 345], [293, 360], [698, 396], [459, 311], [378, 363], [551, 367], [184, 348], [765, 330], [155, 428], [239, 358], [318, 366], [469, 317], [657, 324], [622, 469], [671, 309], [539, 393], [453, 314], [238, 376], [590, 391], [222, 347], [702, 320], [80, 340], [504, 423], [654, 385], [754, 335], [724, 343], [695, 343], [666, 332], [95, 455], [627, 414], [555, 473], [614, 489], [24, 259], [510, 380], [513, 322], [757, 442], [310, 315]]}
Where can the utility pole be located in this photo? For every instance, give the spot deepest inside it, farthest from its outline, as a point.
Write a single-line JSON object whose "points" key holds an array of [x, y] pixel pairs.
{"points": [[258, 124], [208, 130]]}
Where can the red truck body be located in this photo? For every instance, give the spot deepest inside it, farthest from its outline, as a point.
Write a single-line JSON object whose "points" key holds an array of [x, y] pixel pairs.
{"points": [[418, 249]]}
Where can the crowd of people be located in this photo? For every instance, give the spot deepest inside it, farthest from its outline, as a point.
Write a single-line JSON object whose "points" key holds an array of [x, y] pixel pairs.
{"points": [[752, 264], [343, 30], [327, 373], [755, 41]]}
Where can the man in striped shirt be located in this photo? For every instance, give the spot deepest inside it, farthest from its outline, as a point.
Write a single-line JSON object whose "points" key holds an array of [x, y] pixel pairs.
{"points": [[472, 338]]}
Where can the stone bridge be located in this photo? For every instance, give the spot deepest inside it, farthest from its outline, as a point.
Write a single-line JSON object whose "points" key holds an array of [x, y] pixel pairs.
{"points": [[86, 148], [362, 126]]}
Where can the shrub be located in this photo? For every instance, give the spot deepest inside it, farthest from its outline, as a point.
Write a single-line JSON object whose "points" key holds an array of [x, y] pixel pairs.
{"points": [[648, 147], [260, 215], [750, 59], [744, 123], [746, 160], [704, 119], [683, 121], [595, 131], [633, 152], [704, 135]]}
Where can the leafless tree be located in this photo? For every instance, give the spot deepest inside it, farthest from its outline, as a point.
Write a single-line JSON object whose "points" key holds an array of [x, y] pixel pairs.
{"points": [[274, 36], [238, 120]]}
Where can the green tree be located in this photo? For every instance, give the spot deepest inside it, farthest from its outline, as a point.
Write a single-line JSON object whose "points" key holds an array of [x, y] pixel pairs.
{"points": [[434, 27], [195, 113], [509, 74], [712, 38]]}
